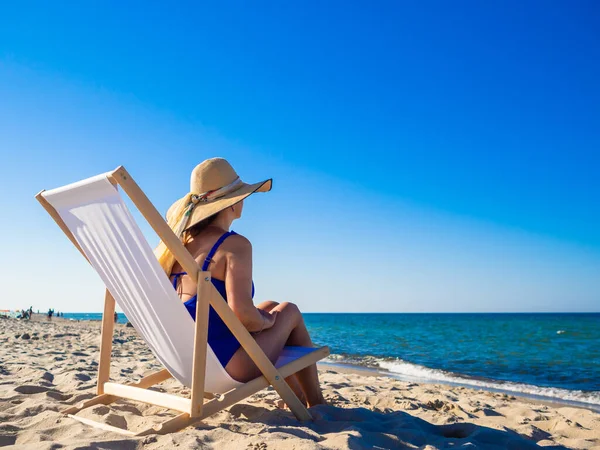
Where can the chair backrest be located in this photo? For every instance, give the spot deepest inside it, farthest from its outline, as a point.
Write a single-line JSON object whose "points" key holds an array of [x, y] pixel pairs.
{"points": [[104, 228]]}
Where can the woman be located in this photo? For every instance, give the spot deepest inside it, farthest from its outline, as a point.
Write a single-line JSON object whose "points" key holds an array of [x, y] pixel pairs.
{"points": [[202, 220]]}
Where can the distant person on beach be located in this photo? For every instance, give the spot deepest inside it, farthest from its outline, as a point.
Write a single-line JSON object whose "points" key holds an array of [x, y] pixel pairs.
{"points": [[116, 317], [202, 219]]}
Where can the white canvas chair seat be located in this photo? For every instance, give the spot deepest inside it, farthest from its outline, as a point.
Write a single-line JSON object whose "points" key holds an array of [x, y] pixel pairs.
{"points": [[104, 230]]}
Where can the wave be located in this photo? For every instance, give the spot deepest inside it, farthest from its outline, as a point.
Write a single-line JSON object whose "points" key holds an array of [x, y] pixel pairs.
{"points": [[414, 372]]}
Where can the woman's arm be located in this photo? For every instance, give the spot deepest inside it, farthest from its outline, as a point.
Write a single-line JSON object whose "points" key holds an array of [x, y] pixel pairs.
{"points": [[238, 283]]}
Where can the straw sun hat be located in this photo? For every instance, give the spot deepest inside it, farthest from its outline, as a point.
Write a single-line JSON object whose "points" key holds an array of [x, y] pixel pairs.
{"points": [[214, 186]]}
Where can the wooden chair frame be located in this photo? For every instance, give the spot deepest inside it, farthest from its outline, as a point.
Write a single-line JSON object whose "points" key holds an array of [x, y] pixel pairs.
{"points": [[195, 408]]}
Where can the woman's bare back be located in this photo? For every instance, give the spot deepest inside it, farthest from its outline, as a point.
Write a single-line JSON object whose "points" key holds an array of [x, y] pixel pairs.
{"points": [[199, 246]]}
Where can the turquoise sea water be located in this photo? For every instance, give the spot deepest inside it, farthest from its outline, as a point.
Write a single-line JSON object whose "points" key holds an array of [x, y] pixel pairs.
{"points": [[549, 355]]}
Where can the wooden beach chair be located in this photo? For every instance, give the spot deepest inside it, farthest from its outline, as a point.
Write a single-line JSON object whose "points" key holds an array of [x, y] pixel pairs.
{"points": [[94, 217]]}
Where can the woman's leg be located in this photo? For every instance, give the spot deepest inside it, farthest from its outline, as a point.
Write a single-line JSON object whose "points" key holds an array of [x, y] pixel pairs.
{"points": [[308, 377], [289, 329], [292, 380]]}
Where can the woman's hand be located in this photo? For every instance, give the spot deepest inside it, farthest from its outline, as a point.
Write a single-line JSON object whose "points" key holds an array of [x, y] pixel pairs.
{"points": [[268, 318]]}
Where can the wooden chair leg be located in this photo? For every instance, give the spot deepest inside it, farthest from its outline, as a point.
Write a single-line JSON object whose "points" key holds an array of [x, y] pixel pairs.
{"points": [[105, 399], [200, 344], [108, 329], [102, 426], [177, 423]]}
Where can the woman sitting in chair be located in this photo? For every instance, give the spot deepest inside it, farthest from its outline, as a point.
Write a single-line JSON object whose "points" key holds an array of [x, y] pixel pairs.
{"points": [[202, 220]]}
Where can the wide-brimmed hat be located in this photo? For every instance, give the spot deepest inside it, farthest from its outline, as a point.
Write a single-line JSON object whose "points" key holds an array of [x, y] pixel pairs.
{"points": [[214, 186]]}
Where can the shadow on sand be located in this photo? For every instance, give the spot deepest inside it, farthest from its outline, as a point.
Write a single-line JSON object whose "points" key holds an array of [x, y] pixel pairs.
{"points": [[360, 428]]}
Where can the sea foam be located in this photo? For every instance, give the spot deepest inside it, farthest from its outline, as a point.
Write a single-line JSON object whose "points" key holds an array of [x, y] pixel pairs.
{"points": [[415, 372]]}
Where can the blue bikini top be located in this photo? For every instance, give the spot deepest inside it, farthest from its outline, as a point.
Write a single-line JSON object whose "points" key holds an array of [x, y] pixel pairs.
{"points": [[219, 284]]}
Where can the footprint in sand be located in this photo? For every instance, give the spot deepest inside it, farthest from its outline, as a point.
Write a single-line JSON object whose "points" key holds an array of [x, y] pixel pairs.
{"points": [[6, 440], [48, 377], [58, 396], [127, 408], [116, 421], [29, 389], [101, 410], [258, 446], [82, 377]]}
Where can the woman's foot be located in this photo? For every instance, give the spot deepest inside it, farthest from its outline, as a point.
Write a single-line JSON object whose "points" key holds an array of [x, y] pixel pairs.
{"points": [[282, 405]]}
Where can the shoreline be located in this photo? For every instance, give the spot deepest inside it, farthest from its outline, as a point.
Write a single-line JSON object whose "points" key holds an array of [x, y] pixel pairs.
{"points": [[373, 372]]}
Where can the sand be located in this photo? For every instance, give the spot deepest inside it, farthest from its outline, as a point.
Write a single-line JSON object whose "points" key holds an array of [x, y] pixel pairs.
{"points": [[54, 366]]}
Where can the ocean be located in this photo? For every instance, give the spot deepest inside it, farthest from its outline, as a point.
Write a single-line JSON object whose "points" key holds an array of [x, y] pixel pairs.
{"points": [[546, 356]]}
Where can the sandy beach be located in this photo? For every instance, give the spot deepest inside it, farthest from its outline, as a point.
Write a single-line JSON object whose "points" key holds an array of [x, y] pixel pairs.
{"points": [[47, 366]]}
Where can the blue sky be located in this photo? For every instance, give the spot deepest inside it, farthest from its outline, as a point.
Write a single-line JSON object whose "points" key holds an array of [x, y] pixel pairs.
{"points": [[427, 156]]}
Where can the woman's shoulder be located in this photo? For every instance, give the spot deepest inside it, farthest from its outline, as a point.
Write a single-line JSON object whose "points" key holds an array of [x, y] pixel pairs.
{"points": [[237, 243]]}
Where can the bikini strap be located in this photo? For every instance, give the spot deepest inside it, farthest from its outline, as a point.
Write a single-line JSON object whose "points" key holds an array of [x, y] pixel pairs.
{"points": [[176, 279], [213, 250]]}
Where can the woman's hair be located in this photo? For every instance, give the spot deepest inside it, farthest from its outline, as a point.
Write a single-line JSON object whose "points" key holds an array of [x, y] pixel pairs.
{"points": [[196, 229], [165, 258]]}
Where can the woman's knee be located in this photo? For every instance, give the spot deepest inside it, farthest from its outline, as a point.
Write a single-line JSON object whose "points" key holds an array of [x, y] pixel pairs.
{"points": [[290, 309]]}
